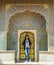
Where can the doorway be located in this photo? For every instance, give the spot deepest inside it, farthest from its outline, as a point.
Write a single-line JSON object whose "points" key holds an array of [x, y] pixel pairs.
{"points": [[21, 37]]}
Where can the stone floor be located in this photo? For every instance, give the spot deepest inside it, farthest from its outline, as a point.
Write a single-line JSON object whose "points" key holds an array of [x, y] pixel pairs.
{"points": [[31, 63]]}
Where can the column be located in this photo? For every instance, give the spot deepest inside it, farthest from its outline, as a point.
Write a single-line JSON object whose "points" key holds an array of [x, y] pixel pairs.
{"points": [[3, 40], [51, 28]]}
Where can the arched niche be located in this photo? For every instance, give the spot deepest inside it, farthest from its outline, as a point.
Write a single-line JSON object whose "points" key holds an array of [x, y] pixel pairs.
{"points": [[30, 21]]}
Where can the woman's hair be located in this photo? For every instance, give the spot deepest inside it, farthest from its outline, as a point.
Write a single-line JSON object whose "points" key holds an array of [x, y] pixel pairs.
{"points": [[26, 36]]}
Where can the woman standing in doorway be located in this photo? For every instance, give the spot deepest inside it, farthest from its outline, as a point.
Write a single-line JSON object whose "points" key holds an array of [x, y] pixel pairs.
{"points": [[27, 44]]}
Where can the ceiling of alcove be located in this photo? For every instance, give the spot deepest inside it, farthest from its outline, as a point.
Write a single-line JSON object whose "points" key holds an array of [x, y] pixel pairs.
{"points": [[12, 9]]}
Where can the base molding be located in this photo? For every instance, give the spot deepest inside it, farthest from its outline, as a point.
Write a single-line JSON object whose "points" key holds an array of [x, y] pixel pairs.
{"points": [[46, 56], [7, 57]]}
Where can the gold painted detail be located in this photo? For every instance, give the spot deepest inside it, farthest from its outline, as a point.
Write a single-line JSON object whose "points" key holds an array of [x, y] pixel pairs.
{"points": [[27, 24], [32, 47]]}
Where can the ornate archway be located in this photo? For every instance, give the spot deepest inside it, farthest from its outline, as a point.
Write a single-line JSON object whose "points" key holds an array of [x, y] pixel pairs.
{"points": [[27, 22]]}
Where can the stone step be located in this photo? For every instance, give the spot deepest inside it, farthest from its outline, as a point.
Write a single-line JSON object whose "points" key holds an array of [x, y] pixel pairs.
{"points": [[31, 63]]}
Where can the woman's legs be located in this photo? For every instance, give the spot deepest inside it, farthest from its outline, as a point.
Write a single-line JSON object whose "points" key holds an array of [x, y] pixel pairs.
{"points": [[27, 53]]}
